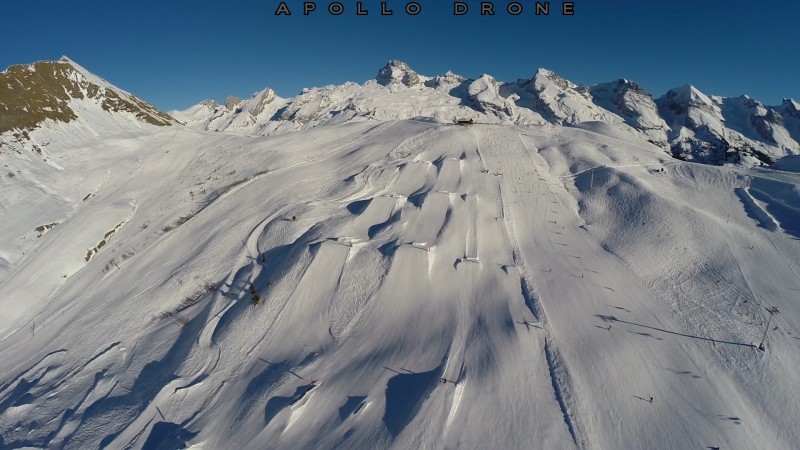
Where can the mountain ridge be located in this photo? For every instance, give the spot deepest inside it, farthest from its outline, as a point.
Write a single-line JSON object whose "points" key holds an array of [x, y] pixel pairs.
{"points": [[685, 122]]}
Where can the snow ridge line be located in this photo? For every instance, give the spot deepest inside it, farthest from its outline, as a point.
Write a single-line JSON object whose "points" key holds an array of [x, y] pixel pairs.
{"points": [[526, 288], [552, 366]]}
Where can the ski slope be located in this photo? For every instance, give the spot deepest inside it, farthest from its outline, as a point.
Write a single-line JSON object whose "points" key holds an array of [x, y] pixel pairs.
{"points": [[396, 284]]}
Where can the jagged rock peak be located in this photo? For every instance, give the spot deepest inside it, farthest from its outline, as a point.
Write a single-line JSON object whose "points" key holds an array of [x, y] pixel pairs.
{"points": [[545, 77], [395, 72], [619, 89], [448, 80], [548, 74], [265, 96], [791, 106], [453, 76], [450, 77], [232, 102], [625, 98], [688, 94], [260, 101], [629, 85]]}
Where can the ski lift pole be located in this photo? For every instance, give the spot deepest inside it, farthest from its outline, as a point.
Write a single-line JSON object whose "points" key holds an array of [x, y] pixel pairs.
{"points": [[591, 171], [772, 311]]}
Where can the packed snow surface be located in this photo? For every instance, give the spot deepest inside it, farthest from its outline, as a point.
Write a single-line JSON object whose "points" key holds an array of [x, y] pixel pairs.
{"points": [[395, 284], [788, 163]]}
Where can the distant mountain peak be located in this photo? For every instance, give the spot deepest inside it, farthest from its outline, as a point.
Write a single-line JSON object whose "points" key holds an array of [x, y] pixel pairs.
{"points": [[398, 72], [791, 104], [545, 78], [231, 102], [546, 73], [689, 93], [620, 85], [448, 80], [630, 85], [637, 108]]}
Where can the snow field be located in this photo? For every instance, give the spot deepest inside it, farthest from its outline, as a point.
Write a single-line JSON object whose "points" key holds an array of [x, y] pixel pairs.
{"points": [[401, 284]]}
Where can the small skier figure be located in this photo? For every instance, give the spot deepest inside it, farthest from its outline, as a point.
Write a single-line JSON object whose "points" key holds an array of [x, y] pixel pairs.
{"points": [[651, 399], [294, 218]]}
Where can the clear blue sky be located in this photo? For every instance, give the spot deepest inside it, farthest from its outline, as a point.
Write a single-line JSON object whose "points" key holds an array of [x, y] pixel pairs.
{"points": [[174, 53]]}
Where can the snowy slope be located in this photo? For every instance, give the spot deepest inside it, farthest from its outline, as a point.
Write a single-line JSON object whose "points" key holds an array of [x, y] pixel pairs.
{"points": [[553, 299], [382, 282], [788, 163], [52, 114]]}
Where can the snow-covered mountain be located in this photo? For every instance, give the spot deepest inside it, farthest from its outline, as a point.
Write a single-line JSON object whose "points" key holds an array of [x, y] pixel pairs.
{"points": [[50, 113], [685, 122], [720, 130], [235, 114], [559, 100], [636, 107], [349, 269]]}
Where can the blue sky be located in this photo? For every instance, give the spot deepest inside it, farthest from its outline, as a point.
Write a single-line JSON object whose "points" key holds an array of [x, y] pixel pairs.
{"points": [[174, 53]]}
